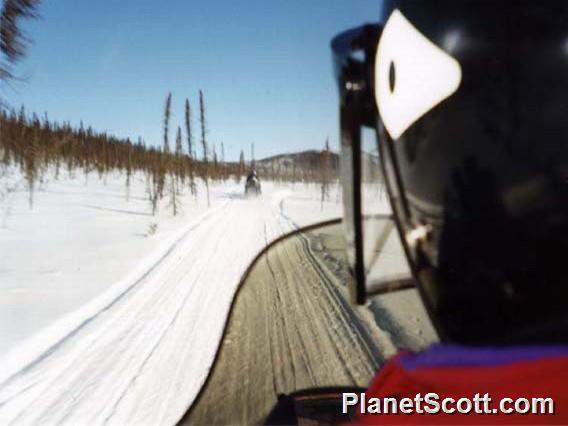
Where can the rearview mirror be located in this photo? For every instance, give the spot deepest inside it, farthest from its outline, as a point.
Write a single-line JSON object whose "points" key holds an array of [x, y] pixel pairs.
{"points": [[386, 268]]}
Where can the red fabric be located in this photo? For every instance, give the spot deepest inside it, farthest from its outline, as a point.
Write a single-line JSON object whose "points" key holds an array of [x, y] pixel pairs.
{"points": [[543, 378]]}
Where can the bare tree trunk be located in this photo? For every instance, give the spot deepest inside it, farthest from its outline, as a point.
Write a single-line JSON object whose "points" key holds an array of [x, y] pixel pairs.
{"points": [[204, 145], [167, 114], [189, 137]]}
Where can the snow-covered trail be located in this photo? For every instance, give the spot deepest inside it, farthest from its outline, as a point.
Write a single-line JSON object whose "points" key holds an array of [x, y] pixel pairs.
{"points": [[142, 355]]}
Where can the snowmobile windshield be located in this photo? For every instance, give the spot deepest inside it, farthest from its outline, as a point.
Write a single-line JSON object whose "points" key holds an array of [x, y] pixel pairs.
{"points": [[374, 251]]}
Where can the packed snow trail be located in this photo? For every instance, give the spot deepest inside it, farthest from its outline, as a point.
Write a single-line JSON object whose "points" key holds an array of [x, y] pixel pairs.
{"points": [[143, 356], [292, 329]]}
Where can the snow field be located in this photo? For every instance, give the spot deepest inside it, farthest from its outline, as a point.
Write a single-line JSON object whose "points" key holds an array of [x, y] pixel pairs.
{"points": [[136, 351], [81, 236]]}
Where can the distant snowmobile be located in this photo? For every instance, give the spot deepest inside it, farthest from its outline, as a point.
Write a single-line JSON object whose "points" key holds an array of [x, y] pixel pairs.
{"points": [[252, 185]]}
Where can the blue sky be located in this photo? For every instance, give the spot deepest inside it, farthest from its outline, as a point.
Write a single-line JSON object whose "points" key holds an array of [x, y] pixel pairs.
{"points": [[264, 67]]}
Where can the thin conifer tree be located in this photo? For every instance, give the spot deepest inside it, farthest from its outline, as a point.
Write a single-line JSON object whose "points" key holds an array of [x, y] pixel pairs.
{"points": [[167, 115], [204, 144], [189, 138]]}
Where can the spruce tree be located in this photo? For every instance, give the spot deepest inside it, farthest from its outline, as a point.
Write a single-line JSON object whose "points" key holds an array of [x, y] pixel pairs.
{"points": [[12, 41], [204, 144]]}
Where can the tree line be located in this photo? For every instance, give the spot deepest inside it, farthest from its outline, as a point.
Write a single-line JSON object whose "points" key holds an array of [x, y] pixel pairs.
{"points": [[37, 145]]}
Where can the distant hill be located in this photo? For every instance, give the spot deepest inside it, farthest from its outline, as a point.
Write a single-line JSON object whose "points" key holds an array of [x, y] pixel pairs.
{"points": [[305, 165], [310, 159]]}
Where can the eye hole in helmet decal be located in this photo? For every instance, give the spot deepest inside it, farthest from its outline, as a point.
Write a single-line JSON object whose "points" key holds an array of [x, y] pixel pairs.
{"points": [[391, 77], [412, 75]]}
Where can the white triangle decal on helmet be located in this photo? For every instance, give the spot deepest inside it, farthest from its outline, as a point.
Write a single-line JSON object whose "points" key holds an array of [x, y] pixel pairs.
{"points": [[412, 75]]}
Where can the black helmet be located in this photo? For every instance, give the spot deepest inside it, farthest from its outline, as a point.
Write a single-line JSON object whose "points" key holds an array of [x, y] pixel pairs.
{"points": [[472, 100]]}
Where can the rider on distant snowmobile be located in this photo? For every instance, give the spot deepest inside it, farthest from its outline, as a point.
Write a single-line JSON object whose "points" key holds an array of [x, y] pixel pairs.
{"points": [[252, 183], [469, 101], [252, 176]]}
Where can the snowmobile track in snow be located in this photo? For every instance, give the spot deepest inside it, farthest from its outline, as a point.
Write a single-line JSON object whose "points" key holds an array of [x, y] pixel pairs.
{"points": [[141, 351], [85, 322], [289, 329]]}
